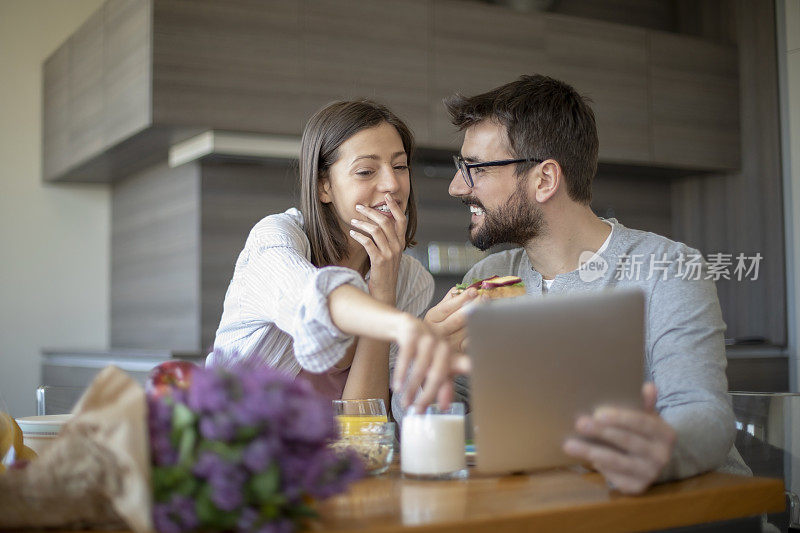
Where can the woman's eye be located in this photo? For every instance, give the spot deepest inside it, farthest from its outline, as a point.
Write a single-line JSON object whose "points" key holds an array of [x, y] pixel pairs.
{"points": [[364, 173], [401, 167]]}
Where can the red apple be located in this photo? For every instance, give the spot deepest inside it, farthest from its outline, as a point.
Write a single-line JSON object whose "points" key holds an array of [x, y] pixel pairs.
{"points": [[168, 376]]}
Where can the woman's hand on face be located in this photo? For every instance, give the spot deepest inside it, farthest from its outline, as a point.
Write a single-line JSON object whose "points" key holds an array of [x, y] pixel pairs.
{"points": [[384, 239], [434, 364]]}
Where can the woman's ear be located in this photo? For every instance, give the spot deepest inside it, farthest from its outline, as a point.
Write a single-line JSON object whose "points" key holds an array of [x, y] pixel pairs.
{"points": [[324, 190]]}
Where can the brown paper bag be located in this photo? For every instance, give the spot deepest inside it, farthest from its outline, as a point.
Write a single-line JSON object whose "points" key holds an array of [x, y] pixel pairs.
{"points": [[96, 473]]}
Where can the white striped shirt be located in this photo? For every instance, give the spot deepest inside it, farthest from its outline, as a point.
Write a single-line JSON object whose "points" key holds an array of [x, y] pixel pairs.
{"points": [[276, 308]]}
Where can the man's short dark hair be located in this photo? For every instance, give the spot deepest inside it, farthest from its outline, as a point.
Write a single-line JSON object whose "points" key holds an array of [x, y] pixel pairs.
{"points": [[546, 119]]}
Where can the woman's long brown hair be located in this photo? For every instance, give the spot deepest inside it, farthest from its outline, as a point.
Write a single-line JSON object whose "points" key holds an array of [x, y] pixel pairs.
{"points": [[324, 133]]}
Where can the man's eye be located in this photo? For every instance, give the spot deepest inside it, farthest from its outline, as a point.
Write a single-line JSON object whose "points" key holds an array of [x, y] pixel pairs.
{"points": [[401, 167], [478, 170], [364, 172]]}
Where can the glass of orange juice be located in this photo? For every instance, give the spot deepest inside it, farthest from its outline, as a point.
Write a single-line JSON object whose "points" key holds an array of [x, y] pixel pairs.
{"points": [[354, 415]]}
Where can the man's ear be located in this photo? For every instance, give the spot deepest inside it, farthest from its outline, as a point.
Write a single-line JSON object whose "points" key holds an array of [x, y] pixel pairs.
{"points": [[547, 179], [324, 190]]}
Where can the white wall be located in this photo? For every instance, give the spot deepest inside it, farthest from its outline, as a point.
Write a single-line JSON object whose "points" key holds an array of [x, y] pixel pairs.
{"points": [[54, 240]]}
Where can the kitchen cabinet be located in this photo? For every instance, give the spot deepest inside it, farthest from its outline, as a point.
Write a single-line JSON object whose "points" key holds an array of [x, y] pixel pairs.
{"points": [[474, 48], [140, 75], [86, 100], [695, 102], [228, 65], [377, 50], [608, 63], [97, 93]]}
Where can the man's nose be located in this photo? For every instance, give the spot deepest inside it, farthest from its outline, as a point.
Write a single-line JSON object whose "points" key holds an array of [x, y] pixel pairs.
{"points": [[458, 187]]}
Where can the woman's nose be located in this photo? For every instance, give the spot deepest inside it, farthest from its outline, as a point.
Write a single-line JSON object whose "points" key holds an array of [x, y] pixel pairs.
{"points": [[389, 181]]}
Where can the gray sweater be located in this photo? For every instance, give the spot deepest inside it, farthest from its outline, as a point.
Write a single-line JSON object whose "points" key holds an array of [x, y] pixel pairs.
{"points": [[684, 344]]}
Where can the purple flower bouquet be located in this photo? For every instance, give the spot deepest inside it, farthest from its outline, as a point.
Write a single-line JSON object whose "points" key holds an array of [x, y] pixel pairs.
{"points": [[245, 449]]}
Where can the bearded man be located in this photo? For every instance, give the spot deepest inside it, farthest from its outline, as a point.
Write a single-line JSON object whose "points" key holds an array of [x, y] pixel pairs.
{"points": [[525, 171]]}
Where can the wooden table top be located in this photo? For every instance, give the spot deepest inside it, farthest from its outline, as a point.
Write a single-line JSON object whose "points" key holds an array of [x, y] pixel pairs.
{"points": [[555, 500]]}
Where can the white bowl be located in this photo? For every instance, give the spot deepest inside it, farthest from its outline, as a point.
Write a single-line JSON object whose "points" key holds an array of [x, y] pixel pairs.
{"points": [[38, 432]]}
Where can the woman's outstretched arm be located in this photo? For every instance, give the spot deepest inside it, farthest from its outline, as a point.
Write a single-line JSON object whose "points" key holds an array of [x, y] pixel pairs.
{"points": [[357, 313]]}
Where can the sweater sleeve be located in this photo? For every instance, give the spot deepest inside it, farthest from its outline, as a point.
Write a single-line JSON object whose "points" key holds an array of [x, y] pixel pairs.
{"points": [[686, 355]]}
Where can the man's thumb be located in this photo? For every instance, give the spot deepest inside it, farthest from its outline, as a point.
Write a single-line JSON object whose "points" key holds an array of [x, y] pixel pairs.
{"points": [[649, 396]]}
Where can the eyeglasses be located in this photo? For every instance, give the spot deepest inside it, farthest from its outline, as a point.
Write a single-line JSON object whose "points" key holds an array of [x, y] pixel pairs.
{"points": [[464, 167]]}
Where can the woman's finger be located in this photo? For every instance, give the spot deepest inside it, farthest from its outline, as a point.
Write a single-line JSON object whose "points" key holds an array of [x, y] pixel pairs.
{"points": [[387, 228], [438, 372], [405, 355], [375, 232], [422, 362], [461, 364], [445, 395], [400, 221], [367, 243]]}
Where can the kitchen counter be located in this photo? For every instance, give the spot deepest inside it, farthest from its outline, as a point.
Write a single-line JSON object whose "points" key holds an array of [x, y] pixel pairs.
{"points": [[76, 367]]}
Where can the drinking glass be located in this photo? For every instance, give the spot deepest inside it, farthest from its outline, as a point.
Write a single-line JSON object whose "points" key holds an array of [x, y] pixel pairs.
{"points": [[353, 415], [374, 445], [432, 443]]}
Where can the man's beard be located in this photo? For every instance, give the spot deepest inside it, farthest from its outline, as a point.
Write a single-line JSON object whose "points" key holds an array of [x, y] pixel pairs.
{"points": [[517, 222]]}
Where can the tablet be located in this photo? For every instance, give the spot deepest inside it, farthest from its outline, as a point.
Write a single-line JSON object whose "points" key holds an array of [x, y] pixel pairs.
{"points": [[540, 362]]}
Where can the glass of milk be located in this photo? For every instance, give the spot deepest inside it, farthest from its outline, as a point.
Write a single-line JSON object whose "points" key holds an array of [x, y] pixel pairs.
{"points": [[432, 443]]}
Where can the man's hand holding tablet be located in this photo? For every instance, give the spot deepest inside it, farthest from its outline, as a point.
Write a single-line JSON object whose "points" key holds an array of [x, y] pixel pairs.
{"points": [[629, 447]]}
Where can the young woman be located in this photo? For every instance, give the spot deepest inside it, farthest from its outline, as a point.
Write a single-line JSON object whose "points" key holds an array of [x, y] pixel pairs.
{"points": [[323, 291]]}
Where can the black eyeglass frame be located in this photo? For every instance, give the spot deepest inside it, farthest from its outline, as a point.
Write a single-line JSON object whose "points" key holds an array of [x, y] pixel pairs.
{"points": [[464, 167]]}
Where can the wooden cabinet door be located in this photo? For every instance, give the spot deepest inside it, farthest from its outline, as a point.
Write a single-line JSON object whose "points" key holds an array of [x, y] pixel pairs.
{"points": [[56, 117], [475, 48], [86, 102], [126, 69], [231, 65], [607, 63], [376, 49], [694, 87]]}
